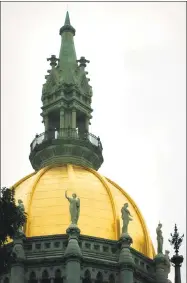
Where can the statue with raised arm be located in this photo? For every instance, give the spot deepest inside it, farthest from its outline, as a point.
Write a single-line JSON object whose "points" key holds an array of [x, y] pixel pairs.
{"points": [[126, 217], [74, 207], [160, 239]]}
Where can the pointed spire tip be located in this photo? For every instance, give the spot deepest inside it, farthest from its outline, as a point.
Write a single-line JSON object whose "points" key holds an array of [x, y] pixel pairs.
{"points": [[67, 19]]}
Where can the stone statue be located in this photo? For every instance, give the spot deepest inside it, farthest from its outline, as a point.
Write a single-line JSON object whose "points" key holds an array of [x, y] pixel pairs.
{"points": [[21, 211], [126, 217], [74, 208], [160, 239]]}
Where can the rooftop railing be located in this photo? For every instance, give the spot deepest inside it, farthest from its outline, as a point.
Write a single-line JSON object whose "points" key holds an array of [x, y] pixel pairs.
{"points": [[65, 134]]}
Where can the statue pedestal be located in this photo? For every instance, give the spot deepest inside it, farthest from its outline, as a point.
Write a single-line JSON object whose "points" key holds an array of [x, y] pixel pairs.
{"points": [[73, 255], [18, 258], [73, 230], [161, 267], [126, 262]]}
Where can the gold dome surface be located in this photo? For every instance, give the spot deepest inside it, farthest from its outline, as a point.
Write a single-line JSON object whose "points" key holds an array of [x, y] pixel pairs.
{"points": [[43, 194]]}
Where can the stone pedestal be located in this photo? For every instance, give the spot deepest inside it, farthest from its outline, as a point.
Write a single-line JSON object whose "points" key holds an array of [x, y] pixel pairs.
{"points": [[126, 262], [161, 268], [73, 256], [18, 259]]}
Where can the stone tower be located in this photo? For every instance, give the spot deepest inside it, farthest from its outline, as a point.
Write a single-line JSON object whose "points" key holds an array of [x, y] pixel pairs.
{"points": [[66, 111], [66, 156]]}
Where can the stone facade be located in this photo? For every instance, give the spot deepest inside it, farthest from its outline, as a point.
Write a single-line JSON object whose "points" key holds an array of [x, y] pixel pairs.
{"points": [[46, 260]]}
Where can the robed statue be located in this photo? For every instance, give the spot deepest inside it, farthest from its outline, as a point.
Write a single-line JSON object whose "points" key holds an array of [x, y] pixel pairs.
{"points": [[21, 212], [74, 207], [160, 239], [126, 217]]}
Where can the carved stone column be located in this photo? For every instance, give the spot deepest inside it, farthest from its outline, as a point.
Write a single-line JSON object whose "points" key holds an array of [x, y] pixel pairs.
{"points": [[126, 262], [62, 122], [73, 256], [17, 273], [73, 119], [87, 124], [46, 122]]}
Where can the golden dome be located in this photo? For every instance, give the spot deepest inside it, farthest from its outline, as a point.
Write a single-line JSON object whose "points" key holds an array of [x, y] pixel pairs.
{"points": [[43, 194]]}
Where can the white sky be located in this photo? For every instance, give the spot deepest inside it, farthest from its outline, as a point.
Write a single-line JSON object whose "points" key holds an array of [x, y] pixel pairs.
{"points": [[137, 70]]}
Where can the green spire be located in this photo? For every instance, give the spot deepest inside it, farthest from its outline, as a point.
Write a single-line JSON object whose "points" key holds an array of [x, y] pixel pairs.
{"points": [[67, 25], [67, 19], [67, 56]]}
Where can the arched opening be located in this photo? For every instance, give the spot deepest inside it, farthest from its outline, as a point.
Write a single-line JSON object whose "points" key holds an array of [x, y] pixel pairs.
{"points": [[32, 277], [111, 278], [45, 277], [58, 277], [87, 277], [6, 280], [99, 278]]}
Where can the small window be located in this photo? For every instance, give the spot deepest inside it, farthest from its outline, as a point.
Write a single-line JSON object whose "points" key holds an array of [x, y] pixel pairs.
{"points": [[47, 245]]}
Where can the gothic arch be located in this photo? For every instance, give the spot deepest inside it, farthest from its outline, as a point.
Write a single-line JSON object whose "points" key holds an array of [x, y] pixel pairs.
{"points": [[99, 277], [111, 278], [58, 276], [32, 277], [45, 277], [87, 277]]}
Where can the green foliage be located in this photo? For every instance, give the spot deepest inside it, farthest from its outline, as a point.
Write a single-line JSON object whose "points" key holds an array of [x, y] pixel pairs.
{"points": [[11, 217]]}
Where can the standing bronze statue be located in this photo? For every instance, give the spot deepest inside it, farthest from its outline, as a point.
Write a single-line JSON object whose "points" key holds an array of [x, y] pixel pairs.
{"points": [[74, 207], [126, 217], [160, 239]]}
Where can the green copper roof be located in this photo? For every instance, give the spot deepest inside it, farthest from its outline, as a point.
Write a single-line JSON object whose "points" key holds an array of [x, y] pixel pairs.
{"points": [[65, 70], [67, 56], [67, 19]]}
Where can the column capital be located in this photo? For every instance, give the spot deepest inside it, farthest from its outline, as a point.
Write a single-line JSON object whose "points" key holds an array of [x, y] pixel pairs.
{"points": [[177, 260]]}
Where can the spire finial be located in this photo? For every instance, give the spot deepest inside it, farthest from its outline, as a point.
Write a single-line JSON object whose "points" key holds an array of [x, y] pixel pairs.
{"points": [[67, 25], [176, 240], [67, 19]]}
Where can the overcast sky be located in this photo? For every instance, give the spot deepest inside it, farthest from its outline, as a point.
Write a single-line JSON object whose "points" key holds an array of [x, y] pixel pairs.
{"points": [[137, 70]]}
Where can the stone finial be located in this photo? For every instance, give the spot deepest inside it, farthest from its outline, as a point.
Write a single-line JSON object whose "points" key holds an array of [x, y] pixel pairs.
{"points": [[53, 61], [126, 217], [160, 239], [176, 240], [83, 62]]}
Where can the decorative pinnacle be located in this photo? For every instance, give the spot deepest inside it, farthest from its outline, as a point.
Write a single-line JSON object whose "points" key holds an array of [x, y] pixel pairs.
{"points": [[83, 62], [67, 19], [67, 25], [53, 60], [176, 240]]}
